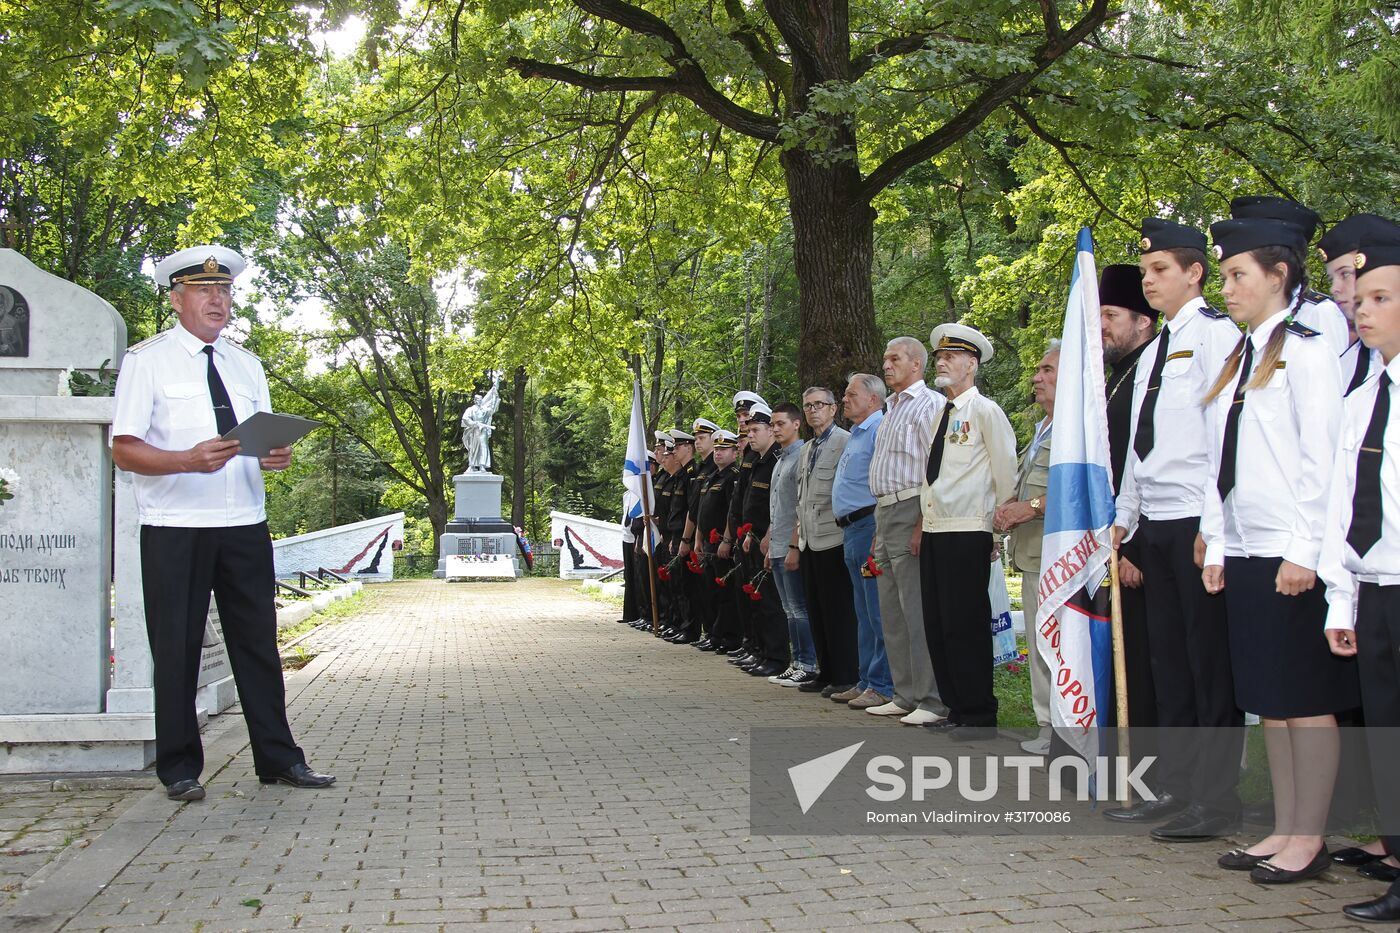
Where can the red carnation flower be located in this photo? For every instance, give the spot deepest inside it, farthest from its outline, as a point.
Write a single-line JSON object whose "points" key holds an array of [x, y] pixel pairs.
{"points": [[748, 587], [663, 573], [755, 596], [719, 581], [714, 536]]}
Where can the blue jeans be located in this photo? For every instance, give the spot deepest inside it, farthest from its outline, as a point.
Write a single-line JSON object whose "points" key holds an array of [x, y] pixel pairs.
{"points": [[870, 637], [800, 644]]}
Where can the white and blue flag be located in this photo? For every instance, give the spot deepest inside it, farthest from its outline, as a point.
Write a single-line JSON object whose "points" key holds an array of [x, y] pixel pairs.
{"points": [[1072, 624], [636, 476]]}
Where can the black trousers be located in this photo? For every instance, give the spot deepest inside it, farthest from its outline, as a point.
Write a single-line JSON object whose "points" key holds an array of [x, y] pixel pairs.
{"points": [[1378, 660], [954, 570], [665, 611], [179, 568], [630, 601], [724, 624], [768, 619], [832, 613], [1190, 657]]}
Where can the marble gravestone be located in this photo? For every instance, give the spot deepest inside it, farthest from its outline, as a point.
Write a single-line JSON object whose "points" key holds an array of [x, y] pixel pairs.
{"points": [[75, 695]]}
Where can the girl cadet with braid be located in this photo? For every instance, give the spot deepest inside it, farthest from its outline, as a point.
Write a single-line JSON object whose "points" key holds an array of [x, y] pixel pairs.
{"points": [[1275, 410]]}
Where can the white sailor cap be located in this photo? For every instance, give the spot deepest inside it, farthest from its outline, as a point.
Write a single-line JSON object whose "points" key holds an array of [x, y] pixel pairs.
{"points": [[704, 426], [725, 438], [960, 337], [761, 413], [665, 439], [200, 265], [681, 437], [745, 399]]}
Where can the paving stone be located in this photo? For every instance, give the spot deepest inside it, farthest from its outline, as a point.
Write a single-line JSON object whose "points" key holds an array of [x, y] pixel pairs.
{"points": [[511, 759]]}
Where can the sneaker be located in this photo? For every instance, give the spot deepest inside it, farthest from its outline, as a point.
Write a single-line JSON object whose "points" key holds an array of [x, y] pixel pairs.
{"points": [[787, 672], [870, 699], [799, 679], [920, 717], [889, 709], [847, 696]]}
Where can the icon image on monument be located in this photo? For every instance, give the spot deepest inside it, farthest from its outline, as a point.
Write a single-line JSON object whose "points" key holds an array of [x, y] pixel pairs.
{"points": [[14, 323]]}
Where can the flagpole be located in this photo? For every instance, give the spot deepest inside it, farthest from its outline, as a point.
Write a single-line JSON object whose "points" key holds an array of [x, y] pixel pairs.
{"points": [[1120, 672], [651, 550]]}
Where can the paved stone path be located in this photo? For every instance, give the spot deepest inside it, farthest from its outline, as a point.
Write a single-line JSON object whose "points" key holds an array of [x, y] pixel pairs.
{"points": [[511, 758]]}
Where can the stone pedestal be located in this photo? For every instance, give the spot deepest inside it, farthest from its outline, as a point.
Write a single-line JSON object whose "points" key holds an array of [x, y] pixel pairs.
{"points": [[482, 541]]}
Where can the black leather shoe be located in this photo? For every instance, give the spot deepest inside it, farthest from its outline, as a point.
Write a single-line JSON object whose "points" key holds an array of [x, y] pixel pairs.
{"points": [[705, 644], [737, 651], [766, 669], [1196, 824], [835, 688], [945, 726], [812, 686], [299, 775], [1355, 857], [1384, 909], [1240, 860], [185, 790], [1266, 873], [1148, 811], [1379, 871]]}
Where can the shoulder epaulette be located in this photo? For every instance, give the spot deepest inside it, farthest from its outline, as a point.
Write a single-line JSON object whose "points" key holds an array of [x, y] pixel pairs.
{"points": [[149, 341], [233, 344], [1299, 329], [1213, 313], [1315, 297]]}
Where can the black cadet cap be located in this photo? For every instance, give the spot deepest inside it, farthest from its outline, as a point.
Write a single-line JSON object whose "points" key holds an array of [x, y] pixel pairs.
{"points": [[1346, 235], [1380, 246], [1238, 235], [1267, 207], [1168, 234], [1122, 286]]}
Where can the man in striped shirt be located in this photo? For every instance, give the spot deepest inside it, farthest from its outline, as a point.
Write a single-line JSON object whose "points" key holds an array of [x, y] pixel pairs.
{"points": [[896, 472]]}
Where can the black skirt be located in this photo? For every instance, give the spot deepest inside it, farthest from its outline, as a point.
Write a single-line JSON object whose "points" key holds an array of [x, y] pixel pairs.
{"points": [[1282, 665]]}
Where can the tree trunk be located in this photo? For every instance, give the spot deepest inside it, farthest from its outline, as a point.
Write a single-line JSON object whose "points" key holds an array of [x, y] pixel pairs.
{"points": [[833, 234], [658, 360], [517, 490]]}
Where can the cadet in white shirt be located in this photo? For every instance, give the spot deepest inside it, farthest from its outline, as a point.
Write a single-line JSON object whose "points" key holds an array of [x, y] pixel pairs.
{"points": [[1159, 506], [203, 526], [1310, 308], [1276, 408], [970, 467], [1338, 250], [1361, 545]]}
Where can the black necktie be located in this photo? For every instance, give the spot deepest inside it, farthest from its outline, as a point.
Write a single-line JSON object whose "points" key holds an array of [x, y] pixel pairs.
{"points": [[1363, 366], [1366, 512], [935, 456], [1143, 439], [1226, 479], [223, 407]]}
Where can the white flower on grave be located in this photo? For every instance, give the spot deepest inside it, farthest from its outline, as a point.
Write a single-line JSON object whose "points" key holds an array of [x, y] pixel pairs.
{"points": [[9, 484], [64, 387]]}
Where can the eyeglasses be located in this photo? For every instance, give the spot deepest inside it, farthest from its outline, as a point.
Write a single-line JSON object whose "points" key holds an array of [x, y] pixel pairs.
{"points": [[816, 406]]}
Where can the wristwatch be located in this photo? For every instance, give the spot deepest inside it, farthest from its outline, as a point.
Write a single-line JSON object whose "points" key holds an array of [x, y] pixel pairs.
{"points": [[1038, 504]]}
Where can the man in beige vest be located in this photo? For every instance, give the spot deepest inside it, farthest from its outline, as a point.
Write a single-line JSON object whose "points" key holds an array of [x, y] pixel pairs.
{"points": [[1023, 516]]}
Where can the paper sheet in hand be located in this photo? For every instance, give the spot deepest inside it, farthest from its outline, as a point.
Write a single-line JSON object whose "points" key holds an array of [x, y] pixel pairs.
{"points": [[265, 430]]}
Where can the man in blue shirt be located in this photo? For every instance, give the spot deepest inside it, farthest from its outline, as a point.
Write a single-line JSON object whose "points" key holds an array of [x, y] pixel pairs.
{"points": [[854, 507]]}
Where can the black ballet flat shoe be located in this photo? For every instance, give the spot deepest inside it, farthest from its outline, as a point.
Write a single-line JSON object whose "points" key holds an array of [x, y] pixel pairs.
{"points": [[1355, 857], [1379, 871], [1267, 873], [1240, 860]]}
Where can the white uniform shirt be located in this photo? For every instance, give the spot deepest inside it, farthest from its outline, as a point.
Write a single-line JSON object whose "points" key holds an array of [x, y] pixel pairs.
{"points": [[902, 441], [1287, 443], [1324, 315], [1168, 484], [162, 398], [978, 469], [1341, 566]]}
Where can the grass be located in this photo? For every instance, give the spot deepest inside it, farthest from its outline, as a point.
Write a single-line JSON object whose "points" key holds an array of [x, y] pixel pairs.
{"points": [[335, 612]]}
